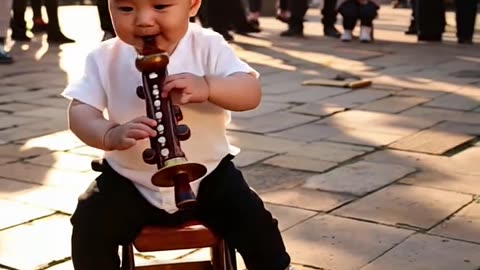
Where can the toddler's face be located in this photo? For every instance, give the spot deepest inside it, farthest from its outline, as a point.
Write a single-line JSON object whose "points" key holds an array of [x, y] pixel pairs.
{"points": [[166, 20]]}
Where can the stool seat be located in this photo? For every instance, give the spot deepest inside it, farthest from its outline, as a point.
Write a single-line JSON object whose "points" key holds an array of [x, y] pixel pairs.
{"points": [[192, 234]]}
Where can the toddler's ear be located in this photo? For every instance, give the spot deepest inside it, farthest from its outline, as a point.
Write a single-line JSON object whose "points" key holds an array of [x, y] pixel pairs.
{"points": [[194, 7]]}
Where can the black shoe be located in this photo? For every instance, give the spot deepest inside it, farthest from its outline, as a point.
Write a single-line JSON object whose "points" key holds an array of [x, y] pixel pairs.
{"points": [[247, 28], [5, 57], [468, 41], [58, 37], [331, 31], [282, 18], [412, 30], [292, 33], [430, 38], [17, 36], [255, 23]]}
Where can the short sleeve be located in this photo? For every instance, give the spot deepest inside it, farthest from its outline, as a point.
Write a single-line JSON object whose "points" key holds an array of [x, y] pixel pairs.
{"points": [[88, 89], [227, 62]]}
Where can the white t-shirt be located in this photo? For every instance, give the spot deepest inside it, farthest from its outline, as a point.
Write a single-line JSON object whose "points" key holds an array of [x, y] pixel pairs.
{"points": [[109, 84]]}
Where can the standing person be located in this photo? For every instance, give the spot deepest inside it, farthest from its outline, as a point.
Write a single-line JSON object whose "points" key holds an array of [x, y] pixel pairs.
{"points": [[5, 9], [39, 25], [207, 80], [255, 7], [105, 21], [329, 18], [298, 9], [465, 14], [430, 16], [18, 24]]}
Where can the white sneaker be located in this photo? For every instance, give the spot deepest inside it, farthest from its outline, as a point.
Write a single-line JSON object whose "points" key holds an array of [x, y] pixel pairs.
{"points": [[346, 36], [365, 34]]}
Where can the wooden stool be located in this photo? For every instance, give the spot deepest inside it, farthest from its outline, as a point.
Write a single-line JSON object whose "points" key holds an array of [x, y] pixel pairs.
{"points": [[190, 235]]}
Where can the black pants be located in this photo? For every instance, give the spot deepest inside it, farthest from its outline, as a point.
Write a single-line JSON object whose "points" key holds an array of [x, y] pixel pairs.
{"points": [[329, 13], [255, 5], [465, 14], [18, 23], [298, 8], [104, 16], [430, 17], [352, 11], [117, 212]]}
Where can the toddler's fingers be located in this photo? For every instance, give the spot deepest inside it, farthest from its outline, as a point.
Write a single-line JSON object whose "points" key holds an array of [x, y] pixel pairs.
{"points": [[176, 84]]}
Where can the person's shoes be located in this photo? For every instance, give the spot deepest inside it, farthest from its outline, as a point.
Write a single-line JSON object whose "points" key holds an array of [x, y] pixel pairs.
{"points": [[20, 36], [5, 57], [292, 33], [346, 36], [430, 38], [412, 30], [365, 34], [39, 25], [58, 37], [247, 28], [254, 22], [331, 31], [282, 18], [468, 41]]}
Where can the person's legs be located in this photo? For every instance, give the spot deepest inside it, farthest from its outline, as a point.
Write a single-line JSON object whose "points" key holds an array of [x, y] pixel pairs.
{"points": [[105, 20], [349, 12], [39, 24], [465, 14], [18, 24], [255, 7], [228, 206], [367, 13], [329, 18], [298, 8], [54, 33], [412, 29], [5, 9], [108, 215]]}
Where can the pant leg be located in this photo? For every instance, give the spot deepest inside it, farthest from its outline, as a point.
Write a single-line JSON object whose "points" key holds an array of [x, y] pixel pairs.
{"points": [[329, 13], [350, 13], [52, 12], [5, 9], [367, 13], [255, 5], [298, 8], [283, 4], [465, 13], [18, 24], [105, 219], [36, 8], [231, 208], [104, 16]]}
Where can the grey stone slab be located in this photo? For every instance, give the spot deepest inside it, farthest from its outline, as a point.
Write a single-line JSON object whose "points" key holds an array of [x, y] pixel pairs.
{"points": [[307, 133], [42, 241], [264, 178], [21, 151], [356, 98], [365, 137], [263, 108], [271, 122], [437, 114], [14, 213], [289, 216], [421, 252], [87, 151], [464, 225], [9, 121], [63, 160], [328, 242], [378, 122], [358, 178], [318, 108], [29, 131], [305, 198], [394, 104], [420, 93], [329, 151], [248, 157], [58, 141], [404, 205], [300, 163], [261, 142], [463, 183], [431, 141], [305, 95], [455, 102], [459, 128], [16, 107]]}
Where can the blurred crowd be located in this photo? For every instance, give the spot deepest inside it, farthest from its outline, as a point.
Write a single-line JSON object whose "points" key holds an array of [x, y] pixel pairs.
{"points": [[242, 17]]}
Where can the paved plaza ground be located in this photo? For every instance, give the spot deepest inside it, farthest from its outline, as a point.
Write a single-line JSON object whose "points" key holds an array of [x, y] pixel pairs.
{"points": [[378, 178]]}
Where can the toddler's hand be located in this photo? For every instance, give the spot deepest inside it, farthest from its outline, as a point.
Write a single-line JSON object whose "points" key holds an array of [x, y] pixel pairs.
{"points": [[186, 88], [125, 136]]}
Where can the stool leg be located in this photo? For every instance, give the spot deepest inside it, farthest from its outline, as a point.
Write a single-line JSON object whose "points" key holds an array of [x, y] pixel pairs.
{"points": [[223, 257], [128, 262]]}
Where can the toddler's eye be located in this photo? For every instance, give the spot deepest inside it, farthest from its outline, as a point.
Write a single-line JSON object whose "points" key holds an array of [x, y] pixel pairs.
{"points": [[160, 7], [125, 9]]}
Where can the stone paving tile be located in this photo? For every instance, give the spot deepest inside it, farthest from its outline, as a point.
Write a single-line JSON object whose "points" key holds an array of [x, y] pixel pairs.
{"points": [[9, 121], [277, 88], [454, 102], [306, 95], [463, 183], [248, 157], [420, 93], [5, 160], [459, 128], [436, 114], [306, 199], [51, 242], [308, 133], [263, 108], [358, 178], [16, 107], [289, 216], [260, 142], [328, 242], [63, 160], [385, 123], [264, 178], [15, 213], [356, 98], [421, 252], [403, 205], [57, 102], [300, 163], [318, 108], [58, 141], [464, 225], [365, 137], [393, 104], [87, 151], [271, 122], [329, 151], [431, 141], [32, 130]]}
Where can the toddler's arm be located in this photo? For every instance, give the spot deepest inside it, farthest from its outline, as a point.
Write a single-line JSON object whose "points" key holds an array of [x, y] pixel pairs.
{"points": [[89, 125]]}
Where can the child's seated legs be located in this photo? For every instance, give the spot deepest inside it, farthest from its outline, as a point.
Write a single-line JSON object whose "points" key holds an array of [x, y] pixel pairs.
{"points": [[349, 12], [367, 13], [354, 10]]}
